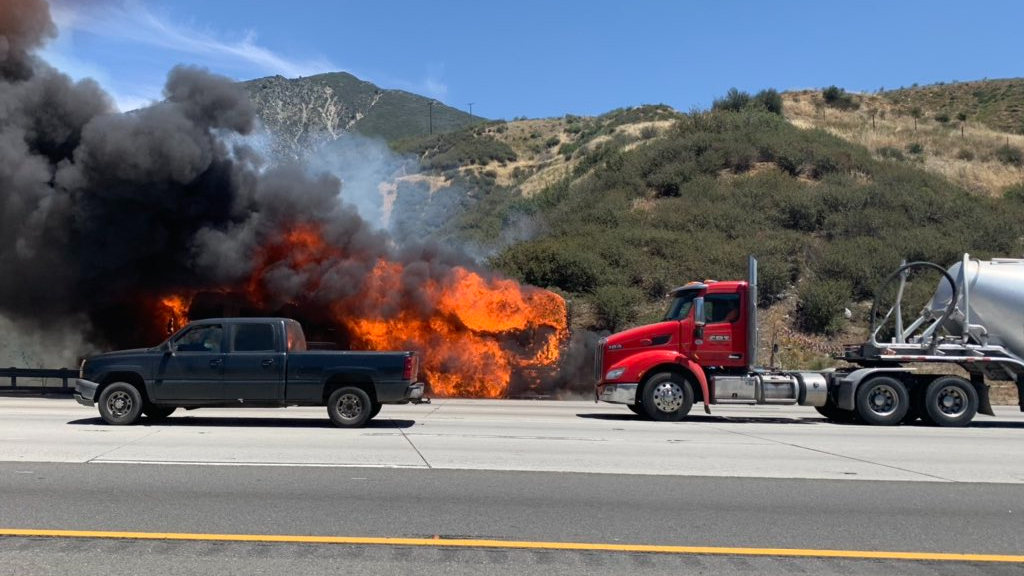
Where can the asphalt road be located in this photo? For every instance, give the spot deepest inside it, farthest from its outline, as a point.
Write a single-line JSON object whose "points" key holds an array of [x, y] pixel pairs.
{"points": [[508, 471]]}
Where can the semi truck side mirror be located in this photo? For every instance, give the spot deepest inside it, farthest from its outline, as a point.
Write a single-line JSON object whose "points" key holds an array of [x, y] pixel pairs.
{"points": [[698, 312]]}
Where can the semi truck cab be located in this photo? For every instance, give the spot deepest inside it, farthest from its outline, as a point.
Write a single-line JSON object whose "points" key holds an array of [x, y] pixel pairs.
{"points": [[704, 349]]}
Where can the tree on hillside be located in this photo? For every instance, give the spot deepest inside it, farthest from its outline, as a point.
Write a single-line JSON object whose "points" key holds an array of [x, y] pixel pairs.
{"points": [[734, 101], [916, 113], [770, 100], [962, 117]]}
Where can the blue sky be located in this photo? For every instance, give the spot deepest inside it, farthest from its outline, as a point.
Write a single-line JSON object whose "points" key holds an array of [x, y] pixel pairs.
{"points": [[540, 59]]}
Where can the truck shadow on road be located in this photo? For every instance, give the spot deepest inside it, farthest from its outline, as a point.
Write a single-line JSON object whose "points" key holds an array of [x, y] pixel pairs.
{"points": [[249, 422], [769, 420]]}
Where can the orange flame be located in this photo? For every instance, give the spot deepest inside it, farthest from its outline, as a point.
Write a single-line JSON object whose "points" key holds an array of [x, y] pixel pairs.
{"points": [[173, 313], [474, 333]]}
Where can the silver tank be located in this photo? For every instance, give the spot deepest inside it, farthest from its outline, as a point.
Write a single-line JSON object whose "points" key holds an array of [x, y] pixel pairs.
{"points": [[995, 292]]}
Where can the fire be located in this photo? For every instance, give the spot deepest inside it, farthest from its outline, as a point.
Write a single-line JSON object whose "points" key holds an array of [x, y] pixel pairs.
{"points": [[173, 313], [474, 333]]}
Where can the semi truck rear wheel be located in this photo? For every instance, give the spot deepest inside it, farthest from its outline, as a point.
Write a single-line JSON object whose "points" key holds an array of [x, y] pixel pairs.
{"points": [[667, 397], [882, 401], [950, 401]]}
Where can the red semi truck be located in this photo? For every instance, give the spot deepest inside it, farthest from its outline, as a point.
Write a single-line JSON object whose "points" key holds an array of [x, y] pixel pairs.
{"points": [[705, 350]]}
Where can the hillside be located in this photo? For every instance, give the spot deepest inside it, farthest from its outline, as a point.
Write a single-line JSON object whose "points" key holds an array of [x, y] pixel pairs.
{"points": [[984, 153], [614, 211], [302, 112]]}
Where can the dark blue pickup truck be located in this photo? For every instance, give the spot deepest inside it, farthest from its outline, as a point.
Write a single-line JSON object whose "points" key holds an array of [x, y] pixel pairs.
{"points": [[250, 362]]}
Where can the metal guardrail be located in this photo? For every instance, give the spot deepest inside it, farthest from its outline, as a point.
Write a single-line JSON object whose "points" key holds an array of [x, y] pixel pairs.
{"points": [[65, 375]]}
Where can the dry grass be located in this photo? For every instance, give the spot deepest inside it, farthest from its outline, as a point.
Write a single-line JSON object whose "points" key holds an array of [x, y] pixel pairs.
{"points": [[894, 128]]}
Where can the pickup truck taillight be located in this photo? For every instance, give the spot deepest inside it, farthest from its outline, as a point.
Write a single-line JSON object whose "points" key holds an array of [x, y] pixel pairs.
{"points": [[410, 368]]}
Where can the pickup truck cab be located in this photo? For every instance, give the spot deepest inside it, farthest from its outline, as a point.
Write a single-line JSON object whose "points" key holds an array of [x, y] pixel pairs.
{"points": [[245, 362]]}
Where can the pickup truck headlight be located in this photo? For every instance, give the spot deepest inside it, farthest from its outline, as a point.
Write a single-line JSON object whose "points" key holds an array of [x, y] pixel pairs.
{"points": [[614, 374]]}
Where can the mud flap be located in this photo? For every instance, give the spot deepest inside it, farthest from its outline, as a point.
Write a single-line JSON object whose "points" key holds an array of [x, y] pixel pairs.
{"points": [[984, 401]]}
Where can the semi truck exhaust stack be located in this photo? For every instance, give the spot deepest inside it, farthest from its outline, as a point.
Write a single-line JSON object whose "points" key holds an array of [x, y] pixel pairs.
{"points": [[752, 335]]}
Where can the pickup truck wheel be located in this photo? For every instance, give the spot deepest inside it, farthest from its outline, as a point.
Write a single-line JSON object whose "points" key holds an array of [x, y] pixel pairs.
{"points": [[158, 412], [882, 401], [120, 404], [375, 410], [667, 397], [950, 401], [349, 407]]}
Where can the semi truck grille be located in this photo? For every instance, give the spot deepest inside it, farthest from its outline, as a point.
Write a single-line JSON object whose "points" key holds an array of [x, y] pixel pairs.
{"points": [[599, 361]]}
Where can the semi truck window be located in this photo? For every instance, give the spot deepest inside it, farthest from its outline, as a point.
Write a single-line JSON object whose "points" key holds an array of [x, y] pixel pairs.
{"points": [[254, 338], [719, 308], [680, 307], [200, 339]]}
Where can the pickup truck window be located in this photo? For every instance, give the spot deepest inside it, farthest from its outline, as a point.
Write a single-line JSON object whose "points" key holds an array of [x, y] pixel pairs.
{"points": [[296, 338], [205, 338], [254, 338]]}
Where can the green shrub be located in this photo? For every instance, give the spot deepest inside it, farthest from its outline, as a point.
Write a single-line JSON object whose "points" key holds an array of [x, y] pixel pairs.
{"points": [[915, 148], [821, 304], [965, 154], [567, 149], [1014, 193], [733, 101], [615, 306], [770, 100], [836, 97], [552, 142], [1010, 155], [942, 118], [551, 265], [891, 152], [648, 132]]}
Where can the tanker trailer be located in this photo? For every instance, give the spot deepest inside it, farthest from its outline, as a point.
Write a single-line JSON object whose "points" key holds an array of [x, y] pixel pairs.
{"points": [[975, 320]]}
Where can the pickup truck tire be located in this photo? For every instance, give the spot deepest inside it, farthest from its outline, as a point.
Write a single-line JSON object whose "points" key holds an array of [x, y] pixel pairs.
{"points": [[882, 401], [667, 397], [375, 411], [158, 412], [950, 401], [349, 407], [120, 404]]}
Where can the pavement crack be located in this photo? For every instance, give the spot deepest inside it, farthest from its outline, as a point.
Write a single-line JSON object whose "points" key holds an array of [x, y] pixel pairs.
{"points": [[116, 448], [409, 440], [826, 452]]}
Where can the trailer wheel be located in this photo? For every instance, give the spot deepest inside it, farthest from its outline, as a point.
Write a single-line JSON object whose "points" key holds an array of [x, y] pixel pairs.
{"points": [[950, 401], [882, 401], [667, 397], [349, 407], [120, 404]]}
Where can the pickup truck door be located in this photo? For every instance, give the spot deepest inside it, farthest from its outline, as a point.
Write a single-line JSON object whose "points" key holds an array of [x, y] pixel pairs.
{"points": [[192, 368], [255, 363]]}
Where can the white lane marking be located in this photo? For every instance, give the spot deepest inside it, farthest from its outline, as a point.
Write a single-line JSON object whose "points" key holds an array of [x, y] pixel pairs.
{"points": [[270, 464]]}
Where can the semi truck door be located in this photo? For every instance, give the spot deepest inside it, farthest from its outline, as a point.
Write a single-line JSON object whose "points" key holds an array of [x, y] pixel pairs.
{"points": [[723, 331], [254, 367], [193, 368]]}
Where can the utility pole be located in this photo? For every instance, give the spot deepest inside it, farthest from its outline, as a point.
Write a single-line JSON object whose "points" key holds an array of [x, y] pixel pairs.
{"points": [[471, 113], [430, 115]]}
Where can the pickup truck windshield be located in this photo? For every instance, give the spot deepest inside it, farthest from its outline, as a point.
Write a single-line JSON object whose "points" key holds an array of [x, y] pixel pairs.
{"points": [[680, 307]]}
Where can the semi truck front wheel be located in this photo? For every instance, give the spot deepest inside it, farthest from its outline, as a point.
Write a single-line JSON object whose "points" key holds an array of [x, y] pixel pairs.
{"points": [[667, 397]]}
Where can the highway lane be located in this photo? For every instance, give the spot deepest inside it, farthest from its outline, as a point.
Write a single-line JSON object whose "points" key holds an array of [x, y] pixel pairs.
{"points": [[512, 471], [753, 442]]}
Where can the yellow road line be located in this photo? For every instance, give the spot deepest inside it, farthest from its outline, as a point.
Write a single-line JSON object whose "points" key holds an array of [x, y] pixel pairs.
{"points": [[520, 545]]}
